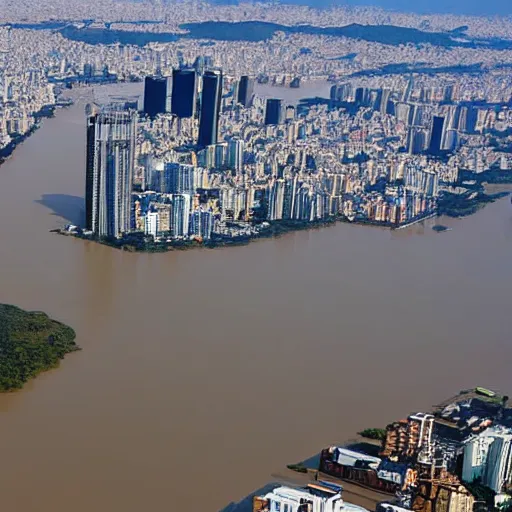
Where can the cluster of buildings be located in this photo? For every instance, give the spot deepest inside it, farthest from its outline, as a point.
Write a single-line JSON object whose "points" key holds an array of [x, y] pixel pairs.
{"points": [[438, 462], [25, 94], [457, 459], [210, 158], [388, 139]]}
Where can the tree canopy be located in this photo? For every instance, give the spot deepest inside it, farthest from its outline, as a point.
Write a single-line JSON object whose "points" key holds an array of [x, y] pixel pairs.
{"points": [[30, 343]]}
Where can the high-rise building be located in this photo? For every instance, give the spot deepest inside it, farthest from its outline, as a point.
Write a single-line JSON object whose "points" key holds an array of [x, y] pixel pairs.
{"points": [[488, 457], [184, 93], [180, 217], [201, 224], [111, 136], [436, 135], [211, 98], [236, 155], [155, 95], [245, 91], [274, 111], [179, 178]]}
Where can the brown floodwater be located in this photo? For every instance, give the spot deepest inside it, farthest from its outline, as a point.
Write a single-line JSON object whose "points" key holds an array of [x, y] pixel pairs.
{"points": [[202, 372]]}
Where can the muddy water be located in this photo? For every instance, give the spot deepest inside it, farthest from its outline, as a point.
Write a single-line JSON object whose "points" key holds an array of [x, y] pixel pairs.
{"points": [[204, 371]]}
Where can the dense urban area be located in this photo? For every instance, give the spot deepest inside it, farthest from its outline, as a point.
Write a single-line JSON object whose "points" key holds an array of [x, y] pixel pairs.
{"points": [[458, 458], [416, 123]]}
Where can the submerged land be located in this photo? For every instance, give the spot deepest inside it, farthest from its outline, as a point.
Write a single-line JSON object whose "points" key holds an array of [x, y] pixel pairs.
{"points": [[30, 343]]}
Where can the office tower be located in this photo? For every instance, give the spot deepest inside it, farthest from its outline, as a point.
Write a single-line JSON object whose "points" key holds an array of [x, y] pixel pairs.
{"points": [[340, 93], [184, 93], [111, 137], [450, 140], [211, 97], [155, 96], [179, 178], [436, 135], [180, 215], [201, 224], [221, 152], [377, 99], [274, 111], [202, 63], [417, 140], [245, 91], [362, 96], [88, 70], [408, 89], [276, 201], [236, 155], [448, 93]]}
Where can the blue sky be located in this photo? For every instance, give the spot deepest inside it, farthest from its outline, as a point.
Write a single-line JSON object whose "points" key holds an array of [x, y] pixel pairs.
{"points": [[474, 7]]}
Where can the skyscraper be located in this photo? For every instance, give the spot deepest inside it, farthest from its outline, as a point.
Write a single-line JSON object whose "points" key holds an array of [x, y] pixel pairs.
{"points": [[236, 155], [179, 178], [436, 135], [201, 223], [245, 91], [180, 215], [211, 98], [184, 93], [111, 136], [155, 96], [274, 111]]}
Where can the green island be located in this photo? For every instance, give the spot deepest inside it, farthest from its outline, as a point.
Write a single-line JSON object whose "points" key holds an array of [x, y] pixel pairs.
{"points": [[30, 343]]}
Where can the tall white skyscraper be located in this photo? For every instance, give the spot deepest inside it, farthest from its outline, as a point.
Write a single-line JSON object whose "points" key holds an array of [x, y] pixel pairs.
{"points": [[111, 136]]}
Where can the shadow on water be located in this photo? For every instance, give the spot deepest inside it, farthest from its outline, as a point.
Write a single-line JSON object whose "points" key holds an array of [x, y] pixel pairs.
{"points": [[70, 208]]}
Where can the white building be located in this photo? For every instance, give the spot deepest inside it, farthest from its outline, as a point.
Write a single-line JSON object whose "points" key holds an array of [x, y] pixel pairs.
{"points": [[488, 456], [314, 499], [151, 224]]}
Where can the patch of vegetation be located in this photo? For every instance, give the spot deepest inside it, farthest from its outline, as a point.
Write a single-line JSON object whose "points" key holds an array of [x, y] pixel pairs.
{"points": [[30, 343], [461, 205], [374, 433], [299, 468]]}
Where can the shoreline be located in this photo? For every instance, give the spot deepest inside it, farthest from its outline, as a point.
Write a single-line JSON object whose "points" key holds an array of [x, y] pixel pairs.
{"points": [[141, 243], [318, 469], [138, 242], [47, 112]]}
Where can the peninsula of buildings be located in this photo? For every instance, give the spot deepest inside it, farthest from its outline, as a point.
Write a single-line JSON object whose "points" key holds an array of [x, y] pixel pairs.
{"points": [[414, 122], [30, 343], [458, 458]]}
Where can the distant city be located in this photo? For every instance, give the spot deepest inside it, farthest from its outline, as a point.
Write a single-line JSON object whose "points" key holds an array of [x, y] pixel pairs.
{"points": [[408, 131]]}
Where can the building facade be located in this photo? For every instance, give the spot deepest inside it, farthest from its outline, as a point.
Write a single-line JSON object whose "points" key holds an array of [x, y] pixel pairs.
{"points": [[111, 136]]}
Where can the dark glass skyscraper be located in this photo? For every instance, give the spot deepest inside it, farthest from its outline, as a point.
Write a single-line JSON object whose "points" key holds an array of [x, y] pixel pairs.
{"points": [[184, 92], [436, 135], [211, 99], [155, 96], [111, 136], [274, 111], [245, 91]]}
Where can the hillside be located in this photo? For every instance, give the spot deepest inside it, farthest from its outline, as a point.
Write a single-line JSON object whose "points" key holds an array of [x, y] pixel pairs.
{"points": [[30, 343]]}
